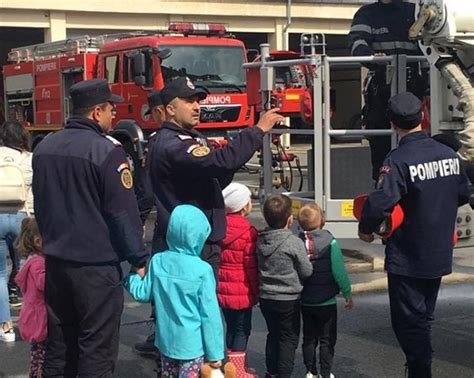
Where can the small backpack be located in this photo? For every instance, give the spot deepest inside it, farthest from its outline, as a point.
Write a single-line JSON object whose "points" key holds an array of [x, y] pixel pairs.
{"points": [[13, 191]]}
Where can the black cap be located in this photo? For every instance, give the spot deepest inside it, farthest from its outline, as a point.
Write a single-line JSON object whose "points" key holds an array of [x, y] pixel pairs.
{"points": [[154, 99], [404, 110], [181, 87], [88, 93]]}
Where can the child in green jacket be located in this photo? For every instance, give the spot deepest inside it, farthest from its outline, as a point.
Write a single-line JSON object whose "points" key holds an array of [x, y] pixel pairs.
{"points": [[318, 299]]}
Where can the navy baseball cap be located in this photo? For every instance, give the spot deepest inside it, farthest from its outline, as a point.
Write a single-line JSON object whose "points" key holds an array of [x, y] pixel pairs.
{"points": [[181, 87], [154, 99], [404, 110], [88, 93]]}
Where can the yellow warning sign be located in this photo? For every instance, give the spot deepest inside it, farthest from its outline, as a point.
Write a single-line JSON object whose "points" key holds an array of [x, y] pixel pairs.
{"points": [[292, 97], [346, 209]]}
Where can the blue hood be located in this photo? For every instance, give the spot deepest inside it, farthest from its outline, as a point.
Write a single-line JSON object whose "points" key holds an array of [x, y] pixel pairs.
{"points": [[188, 230]]}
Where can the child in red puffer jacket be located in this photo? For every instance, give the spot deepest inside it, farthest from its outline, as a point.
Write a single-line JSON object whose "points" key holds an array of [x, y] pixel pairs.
{"points": [[237, 290]]}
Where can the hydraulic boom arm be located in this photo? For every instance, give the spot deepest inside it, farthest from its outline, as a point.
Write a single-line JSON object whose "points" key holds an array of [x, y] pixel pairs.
{"points": [[446, 31]]}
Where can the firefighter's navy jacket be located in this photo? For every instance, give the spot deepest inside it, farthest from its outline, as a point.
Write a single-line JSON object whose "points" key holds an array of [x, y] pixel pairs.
{"points": [[85, 205], [383, 28], [185, 169], [427, 180]]}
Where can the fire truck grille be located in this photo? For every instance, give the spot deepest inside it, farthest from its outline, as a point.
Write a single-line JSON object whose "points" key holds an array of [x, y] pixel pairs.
{"points": [[220, 113]]}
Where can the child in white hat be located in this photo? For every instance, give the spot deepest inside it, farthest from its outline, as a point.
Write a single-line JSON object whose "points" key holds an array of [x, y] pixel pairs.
{"points": [[237, 290]]}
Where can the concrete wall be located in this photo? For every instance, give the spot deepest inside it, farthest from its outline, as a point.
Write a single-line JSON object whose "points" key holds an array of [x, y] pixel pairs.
{"points": [[240, 16]]}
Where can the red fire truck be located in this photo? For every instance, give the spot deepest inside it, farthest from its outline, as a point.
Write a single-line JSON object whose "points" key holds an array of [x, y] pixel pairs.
{"points": [[37, 81]]}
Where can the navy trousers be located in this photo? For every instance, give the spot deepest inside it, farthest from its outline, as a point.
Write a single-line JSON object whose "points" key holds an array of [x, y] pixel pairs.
{"points": [[412, 304], [84, 304]]}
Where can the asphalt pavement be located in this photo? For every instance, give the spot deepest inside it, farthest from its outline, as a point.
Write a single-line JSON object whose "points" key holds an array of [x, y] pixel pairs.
{"points": [[366, 345]]}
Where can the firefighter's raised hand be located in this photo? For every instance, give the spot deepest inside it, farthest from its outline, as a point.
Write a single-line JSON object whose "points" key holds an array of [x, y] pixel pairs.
{"points": [[269, 119]]}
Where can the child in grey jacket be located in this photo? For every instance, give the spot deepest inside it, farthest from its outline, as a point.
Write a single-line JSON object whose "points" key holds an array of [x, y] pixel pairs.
{"points": [[283, 265]]}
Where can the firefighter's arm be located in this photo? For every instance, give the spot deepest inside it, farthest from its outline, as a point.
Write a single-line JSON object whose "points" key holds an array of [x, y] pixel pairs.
{"points": [[225, 179], [360, 36], [380, 203], [119, 208], [193, 160]]}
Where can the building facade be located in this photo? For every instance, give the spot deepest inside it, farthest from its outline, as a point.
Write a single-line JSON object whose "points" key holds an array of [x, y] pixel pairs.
{"points": [[278, 22]]}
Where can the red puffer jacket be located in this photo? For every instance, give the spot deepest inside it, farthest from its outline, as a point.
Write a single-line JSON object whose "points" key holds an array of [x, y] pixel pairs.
{"points": [[238, 274]]}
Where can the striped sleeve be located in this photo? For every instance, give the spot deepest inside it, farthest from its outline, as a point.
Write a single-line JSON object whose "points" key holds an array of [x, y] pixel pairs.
{"points": [[360, 35]]}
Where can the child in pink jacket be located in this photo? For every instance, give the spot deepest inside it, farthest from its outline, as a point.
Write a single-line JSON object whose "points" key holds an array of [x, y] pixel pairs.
{"points": [[30, 279]]}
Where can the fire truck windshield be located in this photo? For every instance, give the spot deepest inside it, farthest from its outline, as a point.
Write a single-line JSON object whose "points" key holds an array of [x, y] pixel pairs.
{"points": [[215, 68]]}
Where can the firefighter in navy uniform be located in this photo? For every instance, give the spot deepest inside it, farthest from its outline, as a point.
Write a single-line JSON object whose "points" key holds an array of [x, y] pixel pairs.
{"points": [[426, 178], [89, 221], [142, 184], [382, 29], [146, 201], [184, 168]]}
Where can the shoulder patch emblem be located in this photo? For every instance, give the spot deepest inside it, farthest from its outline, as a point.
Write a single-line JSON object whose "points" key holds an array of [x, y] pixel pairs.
{"points": [[184, 137], [201, 151], [113, 140], [126, 178]]}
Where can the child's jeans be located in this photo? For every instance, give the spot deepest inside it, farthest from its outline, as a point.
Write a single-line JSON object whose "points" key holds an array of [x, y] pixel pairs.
{"points": [[283, 324], [10, 225], [171, 367], [319, 327], [239, 325], [37, 359]]}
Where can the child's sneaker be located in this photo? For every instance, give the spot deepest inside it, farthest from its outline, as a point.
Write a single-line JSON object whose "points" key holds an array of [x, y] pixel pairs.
{"points": [[7, 333]]}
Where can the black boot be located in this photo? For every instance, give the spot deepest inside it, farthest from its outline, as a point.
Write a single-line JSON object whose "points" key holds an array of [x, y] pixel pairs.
{"points": [[147, 347], [419, 370]]}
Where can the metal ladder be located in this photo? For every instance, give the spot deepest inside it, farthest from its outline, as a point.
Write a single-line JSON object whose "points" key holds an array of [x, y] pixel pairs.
{"points": [[338, 212], [48, 50]]}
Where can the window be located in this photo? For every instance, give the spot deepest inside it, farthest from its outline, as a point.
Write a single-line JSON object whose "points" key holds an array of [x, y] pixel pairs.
{"points": [[125, 68], [213, 67], [149, 70], [112, 69]]}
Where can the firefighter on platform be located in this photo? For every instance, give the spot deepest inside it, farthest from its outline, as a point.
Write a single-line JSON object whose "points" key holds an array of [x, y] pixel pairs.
{"points": [[382, 29], [427, 180], [184, 168], [89, 222]]}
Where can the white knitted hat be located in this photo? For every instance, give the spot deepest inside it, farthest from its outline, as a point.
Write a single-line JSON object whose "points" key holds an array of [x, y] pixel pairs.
{"points": [[236, 196]]}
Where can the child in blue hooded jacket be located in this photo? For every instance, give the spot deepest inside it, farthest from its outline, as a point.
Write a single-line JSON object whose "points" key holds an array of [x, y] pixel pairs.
{"points": [[189, 325]]}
